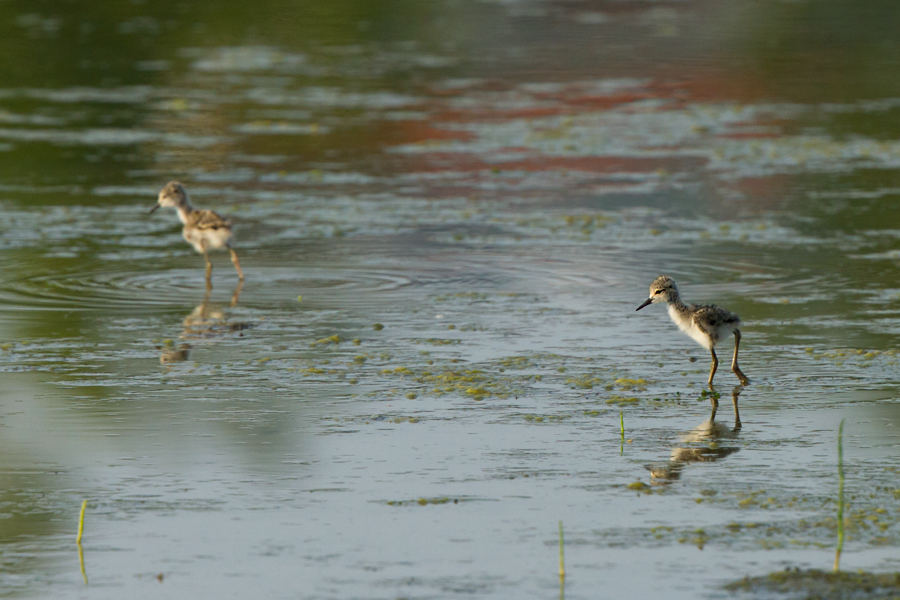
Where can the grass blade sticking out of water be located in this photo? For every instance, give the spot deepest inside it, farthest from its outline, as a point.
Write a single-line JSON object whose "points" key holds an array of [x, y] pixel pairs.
{"points": [[562, 554], [840, 502], [78, 541], [81, 522], [562, 565], [622, 430]]}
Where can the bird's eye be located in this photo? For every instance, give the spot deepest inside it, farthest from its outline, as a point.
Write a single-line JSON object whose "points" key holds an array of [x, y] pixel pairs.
{"points": [[657, 292]]}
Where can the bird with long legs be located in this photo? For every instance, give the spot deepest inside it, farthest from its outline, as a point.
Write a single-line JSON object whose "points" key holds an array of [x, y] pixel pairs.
{"points": [[706, 324], [203, 229]]}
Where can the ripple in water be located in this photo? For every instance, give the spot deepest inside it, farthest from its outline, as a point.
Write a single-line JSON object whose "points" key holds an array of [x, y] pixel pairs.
{"points": [[124, 290]]}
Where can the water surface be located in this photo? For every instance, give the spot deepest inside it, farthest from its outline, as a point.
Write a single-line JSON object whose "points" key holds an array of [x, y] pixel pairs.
{"points": [[447, 213]]}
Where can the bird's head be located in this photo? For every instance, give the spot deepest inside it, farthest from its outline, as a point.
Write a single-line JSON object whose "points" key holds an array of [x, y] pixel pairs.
{"points": [[661, 290], [171, 196]]}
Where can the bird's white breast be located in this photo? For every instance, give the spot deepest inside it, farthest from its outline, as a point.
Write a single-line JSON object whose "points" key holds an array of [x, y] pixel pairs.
{"points": [[208, 239], [685, 324]]}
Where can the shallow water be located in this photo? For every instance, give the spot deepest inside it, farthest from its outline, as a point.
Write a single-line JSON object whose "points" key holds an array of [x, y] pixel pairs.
{"points": [[447, 214]]}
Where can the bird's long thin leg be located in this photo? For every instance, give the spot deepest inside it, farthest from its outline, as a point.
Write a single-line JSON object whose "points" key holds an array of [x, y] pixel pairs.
{"points": [[205, 304], [715, 365], [237, 263], [734, 363], [208, 270], [734, 400]]}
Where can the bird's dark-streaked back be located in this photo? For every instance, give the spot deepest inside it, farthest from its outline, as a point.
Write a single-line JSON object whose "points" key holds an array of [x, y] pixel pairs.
{"points": [[206, 219]]}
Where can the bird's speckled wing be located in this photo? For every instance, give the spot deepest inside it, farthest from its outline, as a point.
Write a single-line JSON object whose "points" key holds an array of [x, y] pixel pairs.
{"points": [[709, 319], [207, 219]]}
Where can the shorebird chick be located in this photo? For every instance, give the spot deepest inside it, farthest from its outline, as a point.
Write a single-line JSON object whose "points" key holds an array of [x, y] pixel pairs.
{"points": [[203, 229], [705, 324]]}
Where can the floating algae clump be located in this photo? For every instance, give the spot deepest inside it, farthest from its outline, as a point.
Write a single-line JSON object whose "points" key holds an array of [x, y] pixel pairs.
{"points": [[423, 501], [516, 362], [622, 401], [821, 584], [624, 383], [475, 383], [542, 418], [584, 382], [331, 339], [441, 342]]}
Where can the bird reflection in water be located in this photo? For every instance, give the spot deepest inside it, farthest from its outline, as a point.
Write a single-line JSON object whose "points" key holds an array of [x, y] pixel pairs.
{"points": [[174, 354], [711, 434], [205, 321]]}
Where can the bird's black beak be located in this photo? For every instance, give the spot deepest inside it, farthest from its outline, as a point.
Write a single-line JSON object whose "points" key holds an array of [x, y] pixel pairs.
{"points": [[646, 302], [153, 209]]}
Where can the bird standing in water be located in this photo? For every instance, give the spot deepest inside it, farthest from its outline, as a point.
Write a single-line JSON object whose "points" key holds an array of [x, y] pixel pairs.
{"points": [[203, 229], [704, 323]]}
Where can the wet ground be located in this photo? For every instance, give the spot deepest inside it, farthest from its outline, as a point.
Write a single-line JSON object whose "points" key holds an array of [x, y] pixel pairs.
{"points": [[447, 215]]}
